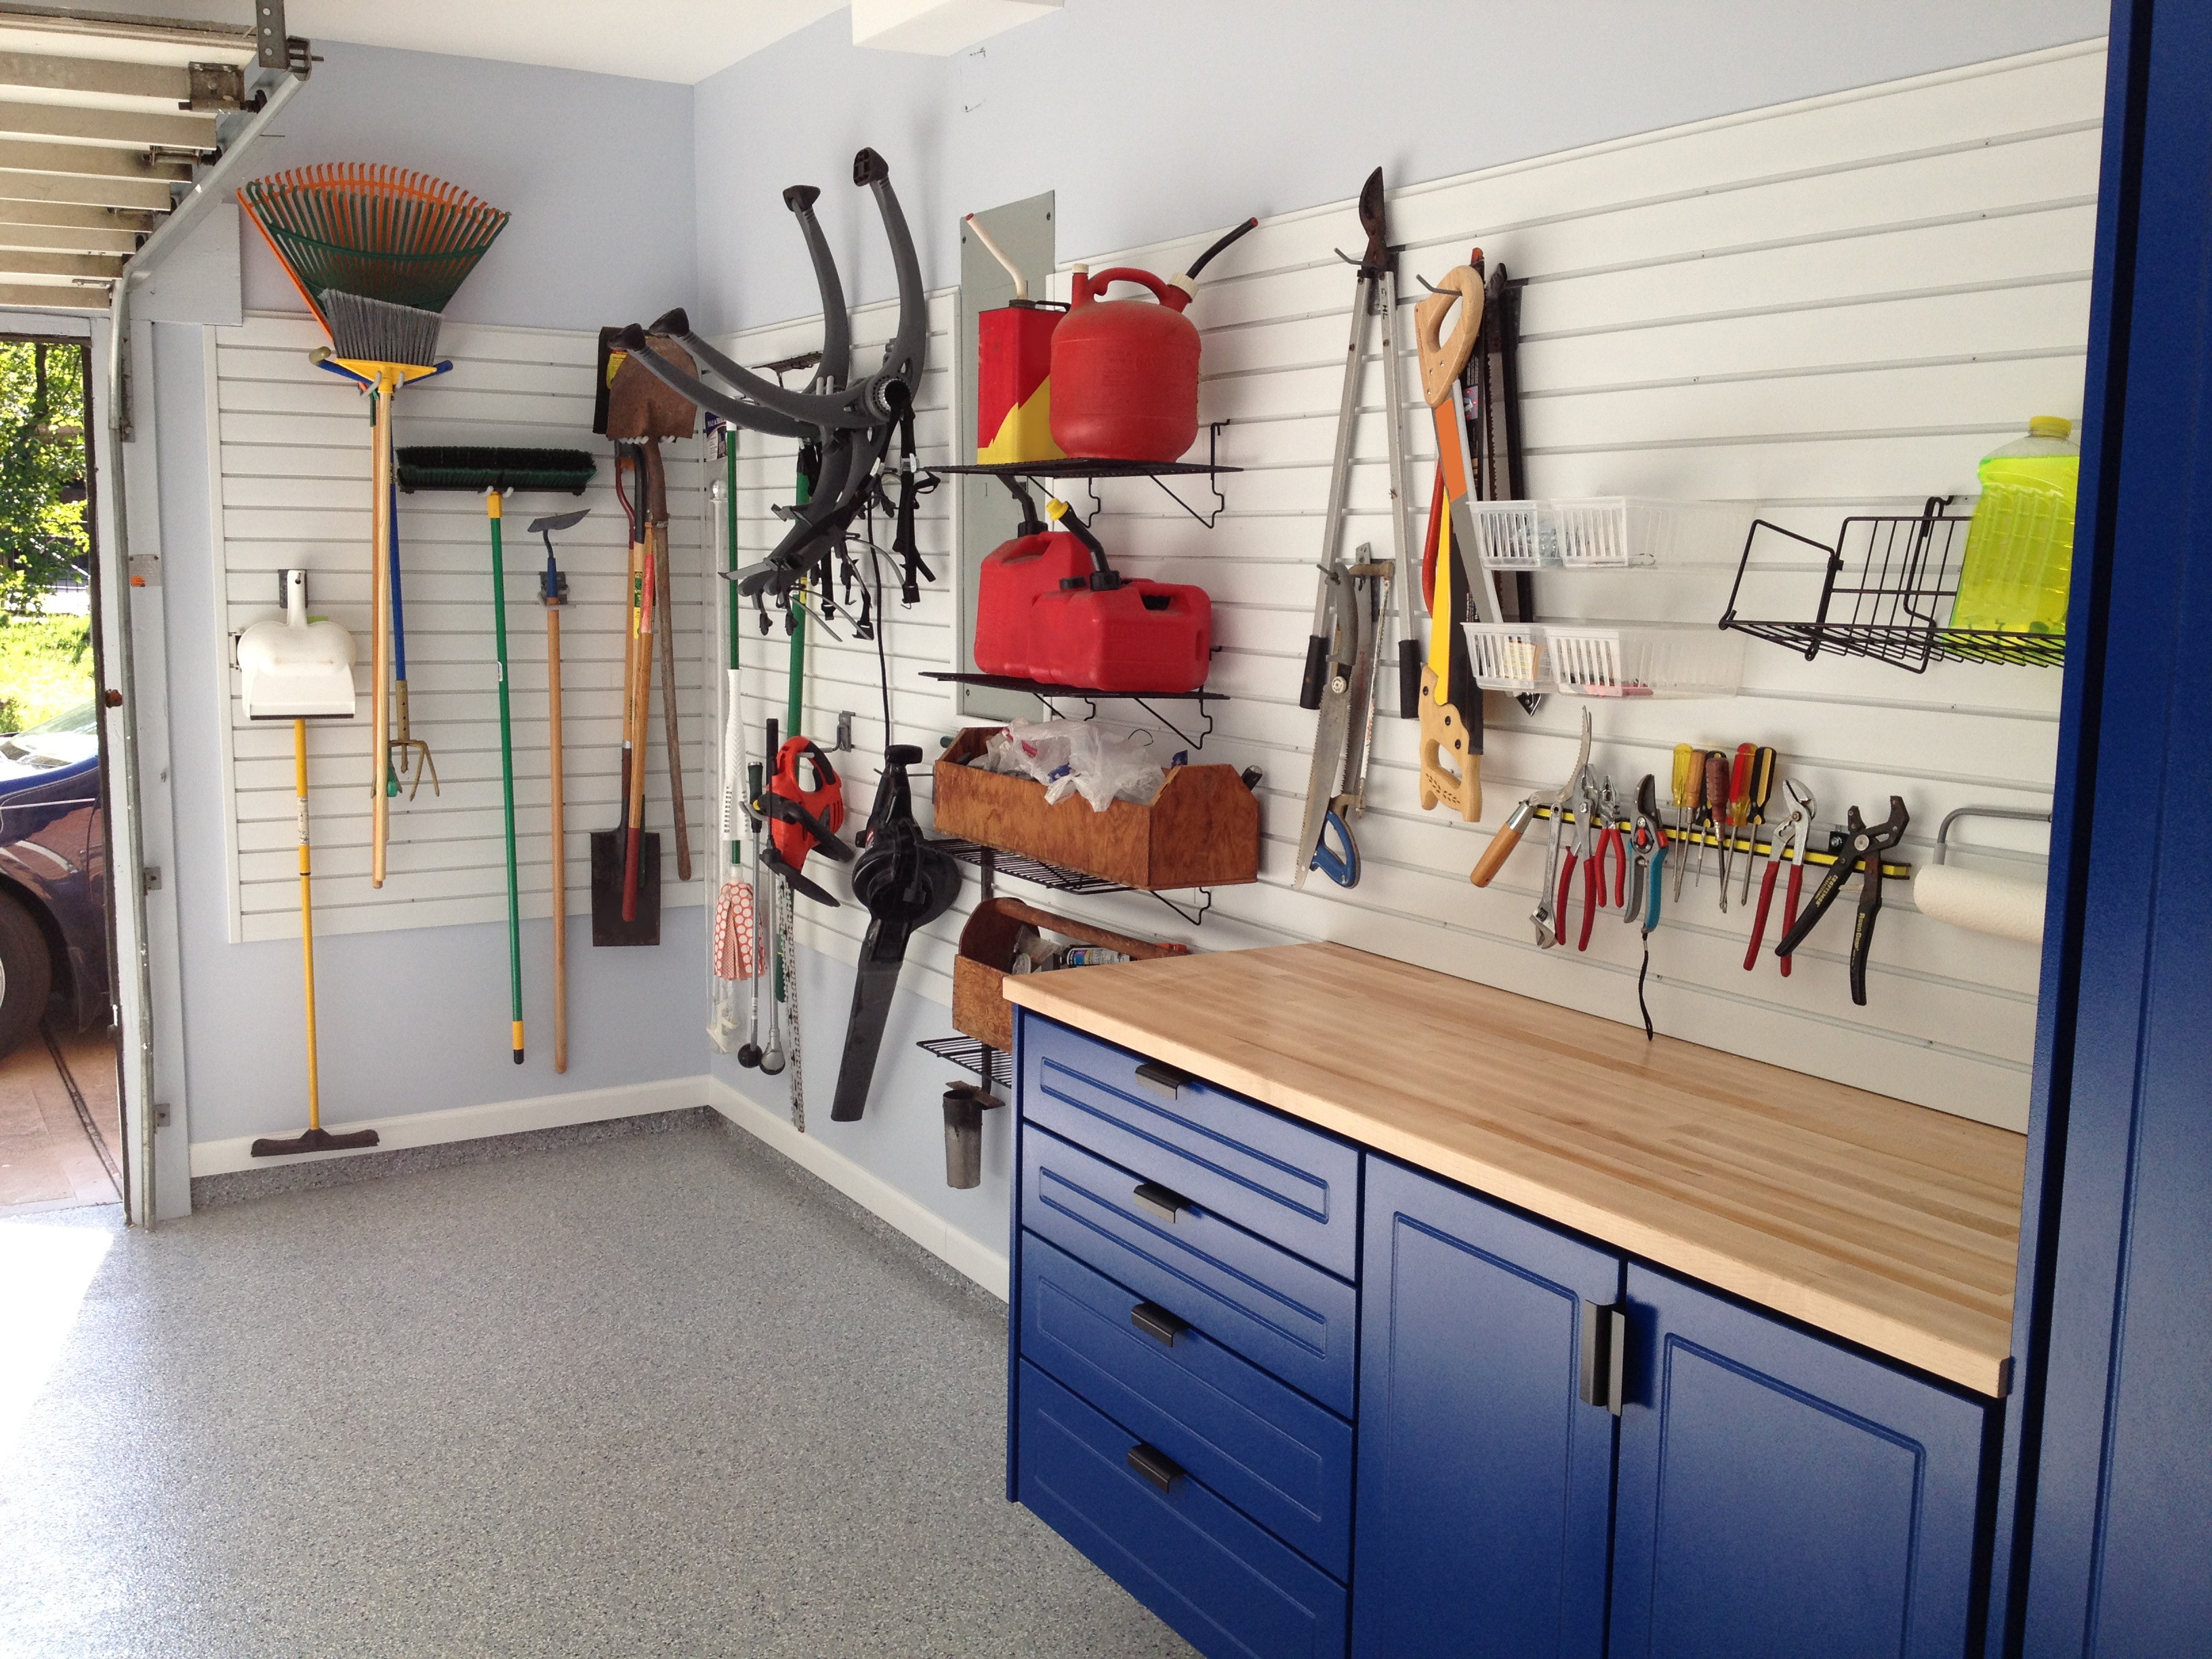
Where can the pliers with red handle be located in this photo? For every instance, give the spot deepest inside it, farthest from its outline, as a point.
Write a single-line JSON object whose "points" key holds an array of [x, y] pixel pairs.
{"points": [[1791, 833], [1606, 822]]}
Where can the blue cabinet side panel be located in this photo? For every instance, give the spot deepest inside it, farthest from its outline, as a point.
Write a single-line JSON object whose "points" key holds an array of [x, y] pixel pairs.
{"points": [[1485, 1482], [2121, 1561], [1780, 1494]]}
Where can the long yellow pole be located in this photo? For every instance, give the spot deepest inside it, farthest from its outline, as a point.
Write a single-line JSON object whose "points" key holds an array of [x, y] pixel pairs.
{"points": [[379, 564], [307, 919]]}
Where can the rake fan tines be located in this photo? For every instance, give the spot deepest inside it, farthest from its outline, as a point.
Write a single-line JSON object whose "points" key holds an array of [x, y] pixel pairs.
{"points": [[383, 232]]}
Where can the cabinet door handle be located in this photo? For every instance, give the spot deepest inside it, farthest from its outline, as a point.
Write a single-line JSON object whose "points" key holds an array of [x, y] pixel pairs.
{"points": [[1604, 1355], [1157, 1322], [1155, 1466], [1160, 1201], [1168, 1080]]}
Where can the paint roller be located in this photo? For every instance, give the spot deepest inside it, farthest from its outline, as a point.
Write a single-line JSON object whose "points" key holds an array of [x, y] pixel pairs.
{"points": [[1974, 899]]}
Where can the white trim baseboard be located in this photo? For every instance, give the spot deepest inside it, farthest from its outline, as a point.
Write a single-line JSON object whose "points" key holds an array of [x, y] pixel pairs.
{"points": [[986, 1267], [502, 1117]]}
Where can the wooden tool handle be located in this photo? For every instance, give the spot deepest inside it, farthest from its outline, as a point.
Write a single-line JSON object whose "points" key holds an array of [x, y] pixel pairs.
{"points": [[1442, 361], [656, 484], [1494, 856], [657, 540], [380, 673], [560, 843]]}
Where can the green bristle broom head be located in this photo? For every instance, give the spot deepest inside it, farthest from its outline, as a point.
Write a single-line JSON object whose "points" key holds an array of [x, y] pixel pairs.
{"points": [[363, 329], [482, 467]]}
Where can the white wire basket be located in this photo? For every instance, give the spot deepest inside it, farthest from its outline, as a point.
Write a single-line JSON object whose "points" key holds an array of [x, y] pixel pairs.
{"points": [[1583, 659], [1609, 532]]}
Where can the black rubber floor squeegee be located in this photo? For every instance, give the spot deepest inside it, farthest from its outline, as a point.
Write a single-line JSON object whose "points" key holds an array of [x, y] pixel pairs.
{"points": [[904, 884]]}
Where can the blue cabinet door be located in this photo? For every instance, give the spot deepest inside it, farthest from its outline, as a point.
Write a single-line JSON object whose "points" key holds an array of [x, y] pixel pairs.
{"points": [[1486, 1483], [1780, 1494]]}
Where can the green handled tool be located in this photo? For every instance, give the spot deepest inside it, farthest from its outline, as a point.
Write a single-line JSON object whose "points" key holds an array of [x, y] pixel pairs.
{"points": [[492, 511]]}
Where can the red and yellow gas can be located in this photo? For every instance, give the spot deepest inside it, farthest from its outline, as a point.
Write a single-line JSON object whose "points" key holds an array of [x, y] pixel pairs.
{"points": [[1013, 382]]}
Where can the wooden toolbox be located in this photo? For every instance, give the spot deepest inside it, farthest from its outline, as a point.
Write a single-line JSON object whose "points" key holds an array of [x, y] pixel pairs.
{"points": [[980, 1008], [1202, 830]]}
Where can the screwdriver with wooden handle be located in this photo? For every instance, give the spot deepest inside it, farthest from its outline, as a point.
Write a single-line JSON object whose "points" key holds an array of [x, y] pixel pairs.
{"points": [[1737, 808], [1714, 805], [1761, 788], [1689, 794]]}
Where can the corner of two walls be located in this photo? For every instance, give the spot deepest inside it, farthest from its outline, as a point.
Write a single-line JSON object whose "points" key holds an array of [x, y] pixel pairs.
{"points": [[597, 172]]}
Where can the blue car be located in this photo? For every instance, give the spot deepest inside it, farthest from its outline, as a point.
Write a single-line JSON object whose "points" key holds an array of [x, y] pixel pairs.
{"points": [[54, 875]]}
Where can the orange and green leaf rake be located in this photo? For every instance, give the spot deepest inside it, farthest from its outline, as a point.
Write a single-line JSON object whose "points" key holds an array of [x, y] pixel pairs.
{"points": [[376, 252]]}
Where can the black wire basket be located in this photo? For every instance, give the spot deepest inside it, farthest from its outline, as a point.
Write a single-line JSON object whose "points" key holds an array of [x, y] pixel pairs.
{"points": [[1896, 606]]}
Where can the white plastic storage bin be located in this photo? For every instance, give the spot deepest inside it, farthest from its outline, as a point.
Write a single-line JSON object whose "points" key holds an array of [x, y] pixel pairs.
{"points": [[1585, 659], [1610, 532]]}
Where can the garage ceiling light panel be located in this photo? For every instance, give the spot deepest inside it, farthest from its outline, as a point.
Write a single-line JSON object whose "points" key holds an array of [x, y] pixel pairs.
{"points": [[939, 28]]}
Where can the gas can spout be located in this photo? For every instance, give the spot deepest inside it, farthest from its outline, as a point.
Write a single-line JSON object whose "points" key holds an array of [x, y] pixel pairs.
{"points": [[990, 242]]}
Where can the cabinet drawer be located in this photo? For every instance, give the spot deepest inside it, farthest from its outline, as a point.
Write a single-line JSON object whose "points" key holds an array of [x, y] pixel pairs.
{"points": [[1219, 1580], [1281, 1459], [1282, 1313], [1291, 1184]]}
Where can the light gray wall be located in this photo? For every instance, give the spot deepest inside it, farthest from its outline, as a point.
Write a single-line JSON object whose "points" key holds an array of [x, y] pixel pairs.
{"points": [[901, 1139], [596, 170], [1151, 120], [1154, 118]]}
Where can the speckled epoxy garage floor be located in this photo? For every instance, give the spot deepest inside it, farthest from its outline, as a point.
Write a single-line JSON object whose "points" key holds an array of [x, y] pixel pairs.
{"points": [[662, 1394]]}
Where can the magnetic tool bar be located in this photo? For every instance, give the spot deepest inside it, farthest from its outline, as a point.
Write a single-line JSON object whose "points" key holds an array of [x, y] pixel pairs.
{"points": [[1837, 838]]}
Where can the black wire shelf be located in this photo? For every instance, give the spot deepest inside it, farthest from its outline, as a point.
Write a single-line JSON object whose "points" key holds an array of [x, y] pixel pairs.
{"points": [[1091, 468], [978, 1059], [1022, 867], [992, 862], [1895, 604], [1045, 691]]}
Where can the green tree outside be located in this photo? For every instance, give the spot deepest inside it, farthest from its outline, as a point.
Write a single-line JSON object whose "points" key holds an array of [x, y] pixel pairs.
{"points": [[45, 662]]}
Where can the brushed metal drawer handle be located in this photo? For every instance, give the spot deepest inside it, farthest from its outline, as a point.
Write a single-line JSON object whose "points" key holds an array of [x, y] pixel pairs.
{"points": [[1162, 1201], [1168, 1080], [1155, 1466], [1157, 1322]]}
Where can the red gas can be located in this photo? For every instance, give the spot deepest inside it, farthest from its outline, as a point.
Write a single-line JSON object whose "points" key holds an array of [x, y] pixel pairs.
{"points": [[1049, 608], [1125, 372]]}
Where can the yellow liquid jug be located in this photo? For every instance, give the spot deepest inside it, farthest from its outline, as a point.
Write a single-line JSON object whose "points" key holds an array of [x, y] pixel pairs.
{"points": [[2019, 560]]}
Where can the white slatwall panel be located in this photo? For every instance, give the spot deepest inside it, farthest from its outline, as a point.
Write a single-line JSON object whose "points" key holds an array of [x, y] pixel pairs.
{"points": [[1831, 306], [291, 486]]}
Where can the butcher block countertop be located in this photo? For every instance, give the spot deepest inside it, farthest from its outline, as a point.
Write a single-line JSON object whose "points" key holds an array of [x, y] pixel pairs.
{"points": [[1889, 1224]]}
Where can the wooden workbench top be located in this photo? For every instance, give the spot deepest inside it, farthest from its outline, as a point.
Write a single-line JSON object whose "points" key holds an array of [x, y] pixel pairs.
{"points": [[1889, 1224]]}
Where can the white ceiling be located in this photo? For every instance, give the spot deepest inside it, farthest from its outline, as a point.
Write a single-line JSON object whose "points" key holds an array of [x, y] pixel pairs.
{"points": [[680, 40]]}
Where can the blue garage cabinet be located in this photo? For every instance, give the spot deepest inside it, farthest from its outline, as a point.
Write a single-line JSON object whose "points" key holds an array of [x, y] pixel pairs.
{"points": [[1486, 1481], [1778, 1494], [1775, 1493]]}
